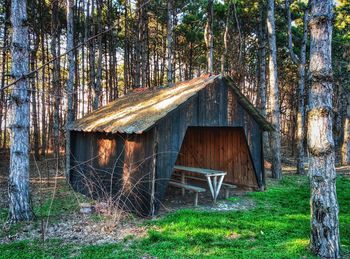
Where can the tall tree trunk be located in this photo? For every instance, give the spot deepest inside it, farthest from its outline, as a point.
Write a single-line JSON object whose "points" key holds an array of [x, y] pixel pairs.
{"points": [[262, 69], [345, 157], [301, 62], [301, 97], [126, 47], [226, 35], [144, 43], [97, 85], [170, 27], [138, 46], [209, 37], [19, 203], [56, 82], [71, 74], [324, 205], [3, 66], [43, 95], [275, 136], [33, 95]]}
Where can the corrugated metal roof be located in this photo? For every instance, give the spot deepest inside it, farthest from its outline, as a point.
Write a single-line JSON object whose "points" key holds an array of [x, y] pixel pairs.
{"points": [[138, 111]]}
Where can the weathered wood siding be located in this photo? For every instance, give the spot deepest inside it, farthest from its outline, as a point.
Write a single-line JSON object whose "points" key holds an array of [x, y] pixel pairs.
{"points": [[153, 154], [221, 148], [214, 106], [96, 161], [114, 166]]}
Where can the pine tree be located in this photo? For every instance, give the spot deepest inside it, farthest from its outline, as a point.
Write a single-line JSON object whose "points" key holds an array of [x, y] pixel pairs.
{"points": [[324, 205], [19, 204]]}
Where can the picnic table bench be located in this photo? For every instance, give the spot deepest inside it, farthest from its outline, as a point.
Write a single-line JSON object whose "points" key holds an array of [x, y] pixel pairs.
{"points": [[226, 186], [188, 187], [214, 178]]}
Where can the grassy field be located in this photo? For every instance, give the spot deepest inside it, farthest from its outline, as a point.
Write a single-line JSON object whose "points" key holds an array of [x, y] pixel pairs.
{"points": [[277, 227]]}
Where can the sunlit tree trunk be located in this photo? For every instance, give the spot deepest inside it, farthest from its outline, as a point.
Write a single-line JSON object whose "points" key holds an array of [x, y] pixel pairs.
{"points": [[226, 35], [126, 47], [6, 9], [97, 85], [19, 203], [346, 139], [275, 136], [170, 36], [144, 44], [301, 62], [33, 97], [209, 37], [324, 205], [262, 67]]}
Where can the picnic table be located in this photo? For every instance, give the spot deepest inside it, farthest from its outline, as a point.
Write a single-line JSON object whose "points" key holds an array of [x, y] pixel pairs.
{"points": [[214, 178]]}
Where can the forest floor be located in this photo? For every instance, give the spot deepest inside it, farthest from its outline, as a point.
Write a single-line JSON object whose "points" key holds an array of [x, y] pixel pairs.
{"points": [[274, 223]]}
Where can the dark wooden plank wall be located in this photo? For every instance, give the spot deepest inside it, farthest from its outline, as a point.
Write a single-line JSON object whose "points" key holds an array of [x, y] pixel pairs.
{"points": [[138, 172], [214, 106], [96, 163], [221, 148], [114, 166]]}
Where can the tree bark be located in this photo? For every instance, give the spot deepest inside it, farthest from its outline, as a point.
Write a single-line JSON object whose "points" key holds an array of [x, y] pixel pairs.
{"points": [[301, 62], [262, 69], [324, 205], [345, 157], [33, 96], [144, 43], [170, 26], [126, 47], [97, 82], [19, 204], [3, 67], [71, 75], [209, 37], [56, 81], [275, 136], [226, 35], [43, 96]]}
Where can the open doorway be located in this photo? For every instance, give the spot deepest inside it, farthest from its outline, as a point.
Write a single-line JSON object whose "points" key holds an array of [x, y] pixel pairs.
{"points": [[222, 149]]}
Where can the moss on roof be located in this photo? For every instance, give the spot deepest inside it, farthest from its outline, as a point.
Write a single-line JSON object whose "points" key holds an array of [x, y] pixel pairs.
{"points": [[138, 111]]}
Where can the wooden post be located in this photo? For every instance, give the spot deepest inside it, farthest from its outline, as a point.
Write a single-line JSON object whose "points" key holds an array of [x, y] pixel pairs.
{"points": [[183, 181], [196, 199]]}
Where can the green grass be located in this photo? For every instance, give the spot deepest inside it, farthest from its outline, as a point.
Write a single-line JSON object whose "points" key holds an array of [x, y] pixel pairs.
{"points": [[277, 227]]}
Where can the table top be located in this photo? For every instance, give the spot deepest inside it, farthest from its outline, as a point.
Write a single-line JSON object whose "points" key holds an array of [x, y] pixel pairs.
{"points": [[203, 171]]}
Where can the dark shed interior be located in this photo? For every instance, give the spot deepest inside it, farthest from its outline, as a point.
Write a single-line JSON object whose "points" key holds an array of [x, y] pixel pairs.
{"points": [[127, 150]]}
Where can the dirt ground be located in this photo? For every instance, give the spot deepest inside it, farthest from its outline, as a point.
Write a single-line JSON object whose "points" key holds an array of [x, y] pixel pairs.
{"points": [[96, 227]]}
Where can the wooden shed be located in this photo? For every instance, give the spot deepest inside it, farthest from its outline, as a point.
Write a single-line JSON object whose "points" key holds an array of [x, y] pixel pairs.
{"points": [[128, 149]]}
